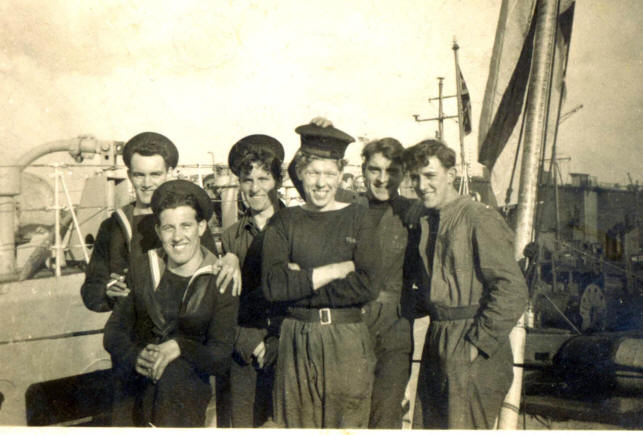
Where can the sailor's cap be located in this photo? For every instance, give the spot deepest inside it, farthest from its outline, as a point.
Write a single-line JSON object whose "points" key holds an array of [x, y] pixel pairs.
{"points": [[182, 188], [325, 142], [254, 142], [146, 140]]}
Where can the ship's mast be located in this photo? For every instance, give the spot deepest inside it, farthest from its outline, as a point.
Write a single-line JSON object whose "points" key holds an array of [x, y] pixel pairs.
{"points": [[439, 134], [440, 109], [441, 116], [535, 133]]}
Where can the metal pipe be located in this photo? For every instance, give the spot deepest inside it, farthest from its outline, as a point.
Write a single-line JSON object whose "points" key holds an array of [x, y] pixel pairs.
{"points": [[200, 177], [228, 199], [536, 119], [444, 97], [110, 194], [58, 242], [7, 236], [440, 110], [10, 188], [535, 126], [75, 146], [75, 220], [418, 119], [44, 149]]}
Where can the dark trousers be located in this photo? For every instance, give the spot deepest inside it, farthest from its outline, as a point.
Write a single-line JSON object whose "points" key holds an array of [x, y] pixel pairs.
{"points": [[392, 372], [223, 400], [453, 392], [178, 399], [393, 347], [251, 393], [324, 375]]}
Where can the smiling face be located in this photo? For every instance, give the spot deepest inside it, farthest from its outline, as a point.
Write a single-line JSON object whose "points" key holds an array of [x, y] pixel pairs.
{"points": [[320, 179], [433, 184], [382, 177], [255, 187], [146, 174], [180, 232]]}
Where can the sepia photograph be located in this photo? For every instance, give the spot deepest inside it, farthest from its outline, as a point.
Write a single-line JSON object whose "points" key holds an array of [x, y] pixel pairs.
{"points": [[414, 214]]}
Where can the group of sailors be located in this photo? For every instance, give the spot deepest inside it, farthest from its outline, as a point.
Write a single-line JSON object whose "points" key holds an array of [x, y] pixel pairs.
{"points": [[305, 317]]}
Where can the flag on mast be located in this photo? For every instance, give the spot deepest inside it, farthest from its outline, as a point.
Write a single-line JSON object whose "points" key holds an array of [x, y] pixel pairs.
{"points": [[464, 118], [505, 93], [465, 100]]}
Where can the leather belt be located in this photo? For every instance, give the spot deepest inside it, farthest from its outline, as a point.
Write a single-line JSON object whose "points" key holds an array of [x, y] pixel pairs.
{"points": [[443, 313], [326, 316]]}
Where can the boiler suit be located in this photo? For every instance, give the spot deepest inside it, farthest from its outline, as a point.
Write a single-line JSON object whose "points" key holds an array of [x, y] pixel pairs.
{"points": [[471, 287]]}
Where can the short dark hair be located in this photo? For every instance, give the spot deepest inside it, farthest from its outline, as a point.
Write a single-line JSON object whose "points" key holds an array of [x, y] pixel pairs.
{"points": [[418, 155], [171, 199], [389, 147], [263, 159]]}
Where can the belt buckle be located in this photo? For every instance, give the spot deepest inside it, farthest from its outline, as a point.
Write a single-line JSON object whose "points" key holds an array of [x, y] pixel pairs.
{"points": [[324, 316]]}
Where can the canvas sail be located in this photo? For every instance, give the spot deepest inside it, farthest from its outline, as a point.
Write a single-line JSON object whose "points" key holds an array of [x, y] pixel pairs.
{"points": [[506, 91]]}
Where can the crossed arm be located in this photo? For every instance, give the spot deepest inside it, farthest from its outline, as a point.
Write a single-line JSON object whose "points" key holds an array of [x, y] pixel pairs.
{"points": [[345, 283]]}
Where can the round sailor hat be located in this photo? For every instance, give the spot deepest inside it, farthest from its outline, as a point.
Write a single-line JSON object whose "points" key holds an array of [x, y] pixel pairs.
{"points": [[143, 141], [248, 144], [179, 188]]}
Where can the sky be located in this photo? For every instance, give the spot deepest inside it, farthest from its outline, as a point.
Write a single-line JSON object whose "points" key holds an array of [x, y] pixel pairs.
{"points": [[207, 73]]}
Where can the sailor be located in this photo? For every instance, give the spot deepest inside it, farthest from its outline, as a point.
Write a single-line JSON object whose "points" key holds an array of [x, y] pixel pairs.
{"points": [[209, 185], [347, 181], [389, 316], [256, 160], [388, 320], [321, 260], [175, 328], [472, 289], [129, 232]]}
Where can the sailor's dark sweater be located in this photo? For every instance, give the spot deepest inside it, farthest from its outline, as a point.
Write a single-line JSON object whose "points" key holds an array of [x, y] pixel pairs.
{"points": [[312, 239]]}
